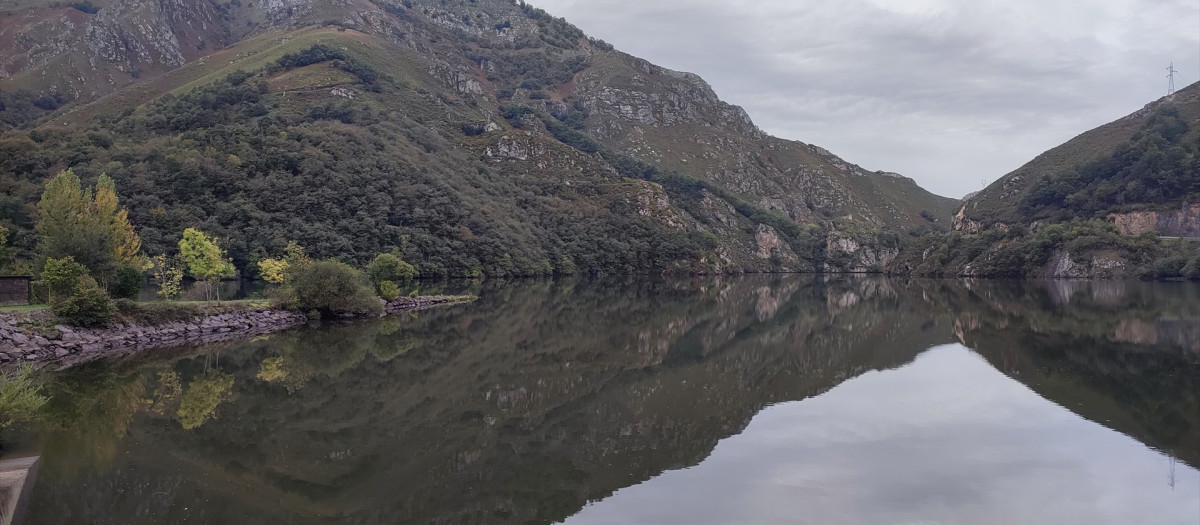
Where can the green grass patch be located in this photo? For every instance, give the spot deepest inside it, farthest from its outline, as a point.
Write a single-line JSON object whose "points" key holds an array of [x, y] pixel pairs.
{"points": [[23, 308], [151, 313]]}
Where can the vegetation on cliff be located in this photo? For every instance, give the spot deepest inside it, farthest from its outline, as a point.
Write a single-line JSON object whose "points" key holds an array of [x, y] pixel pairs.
{"points": [[1054, 216], [1075, 249]]}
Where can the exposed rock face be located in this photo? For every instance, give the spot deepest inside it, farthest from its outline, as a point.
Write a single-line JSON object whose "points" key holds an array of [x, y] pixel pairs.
{"points": [[517, 146], [653, 202], [769, 242], [963, 224], [863, 258], [1184, 222], [1100, 266], [76, 53]]}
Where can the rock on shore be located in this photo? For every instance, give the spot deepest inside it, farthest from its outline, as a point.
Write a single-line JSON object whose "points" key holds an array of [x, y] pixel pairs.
{"points": [[67, 346]]}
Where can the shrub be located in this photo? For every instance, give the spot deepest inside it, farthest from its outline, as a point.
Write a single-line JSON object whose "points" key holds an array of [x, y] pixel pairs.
{"points": [[390, 267], [126, 307], [334, 288], [61, 277], [88, 306], [127, 283], [389, 291], [1166, 268], [20, 400], [1191, 270]]}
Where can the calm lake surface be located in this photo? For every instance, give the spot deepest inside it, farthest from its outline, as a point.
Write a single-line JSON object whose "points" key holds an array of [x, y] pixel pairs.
{"points": [[769, 399]]}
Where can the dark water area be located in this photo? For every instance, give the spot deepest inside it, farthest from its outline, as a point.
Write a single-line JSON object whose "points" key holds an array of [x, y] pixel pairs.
{"points": [[766, 399]]}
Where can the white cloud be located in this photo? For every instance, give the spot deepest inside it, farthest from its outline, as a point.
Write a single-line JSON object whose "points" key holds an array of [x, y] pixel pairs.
{"points": [[946, 92]]}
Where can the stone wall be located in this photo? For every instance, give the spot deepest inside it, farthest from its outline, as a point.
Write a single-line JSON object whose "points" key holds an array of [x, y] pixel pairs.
{"points": [[67, 346]]}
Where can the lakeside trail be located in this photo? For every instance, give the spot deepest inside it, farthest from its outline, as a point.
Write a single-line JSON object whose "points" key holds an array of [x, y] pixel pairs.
{"points": [[31, 337]]}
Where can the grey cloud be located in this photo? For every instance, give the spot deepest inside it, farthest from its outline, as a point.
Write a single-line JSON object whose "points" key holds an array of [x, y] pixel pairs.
{"points": [[946, 92]]}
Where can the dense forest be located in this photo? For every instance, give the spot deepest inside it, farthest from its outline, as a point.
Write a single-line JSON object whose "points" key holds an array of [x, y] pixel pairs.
{"points": [[343, 179], [1159, 166]]}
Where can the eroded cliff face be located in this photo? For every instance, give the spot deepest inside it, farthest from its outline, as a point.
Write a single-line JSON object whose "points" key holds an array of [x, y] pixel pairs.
{"points": [[675, 120], [1184, 222], [857, 257], [79, 54], [1105, 265]]}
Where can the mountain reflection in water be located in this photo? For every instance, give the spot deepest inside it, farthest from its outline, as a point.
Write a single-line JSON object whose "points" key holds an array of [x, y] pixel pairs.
{"points": [[646, 399]]}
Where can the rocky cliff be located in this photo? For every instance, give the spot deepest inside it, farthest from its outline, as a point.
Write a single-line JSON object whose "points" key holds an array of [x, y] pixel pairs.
{"points": [[1184, 222]]}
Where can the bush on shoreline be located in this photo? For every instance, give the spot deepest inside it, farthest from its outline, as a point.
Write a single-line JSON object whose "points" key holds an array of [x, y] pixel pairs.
{"points": [[332, 288]]}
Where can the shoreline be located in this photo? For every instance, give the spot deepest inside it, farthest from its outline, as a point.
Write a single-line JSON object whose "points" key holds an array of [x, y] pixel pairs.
{"points": [[65, 346]]}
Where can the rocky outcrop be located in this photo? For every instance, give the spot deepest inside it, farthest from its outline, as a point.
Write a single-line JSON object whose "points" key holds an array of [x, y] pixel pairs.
{"points": [[1100, 266], [66, 346], [1184, 222], [963, 224], [79, 52], [847, 254]]}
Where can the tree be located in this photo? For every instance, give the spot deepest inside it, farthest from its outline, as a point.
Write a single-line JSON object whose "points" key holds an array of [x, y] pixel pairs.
{"points": [[296, 257], [169, 276], [126, 244], [390, 267], [90, 227], [566, 266], [69, 225], [273, 271], [88, 305], [62, 277], [205, 259], [389, 291]]}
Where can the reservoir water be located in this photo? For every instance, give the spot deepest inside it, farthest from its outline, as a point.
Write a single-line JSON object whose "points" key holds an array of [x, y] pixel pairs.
{"points": [[764, 399]]}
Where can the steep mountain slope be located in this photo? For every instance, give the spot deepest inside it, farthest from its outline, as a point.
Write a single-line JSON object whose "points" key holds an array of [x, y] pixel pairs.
{"points": [[1149, 160], [478, 136], [1109, 203]]}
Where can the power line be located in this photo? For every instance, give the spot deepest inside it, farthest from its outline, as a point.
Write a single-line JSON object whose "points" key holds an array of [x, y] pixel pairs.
{"points": [[1171, 79]]}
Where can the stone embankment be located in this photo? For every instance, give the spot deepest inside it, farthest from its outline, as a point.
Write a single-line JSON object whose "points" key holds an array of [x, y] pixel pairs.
{"points": [[21, 341], [30, 338]]}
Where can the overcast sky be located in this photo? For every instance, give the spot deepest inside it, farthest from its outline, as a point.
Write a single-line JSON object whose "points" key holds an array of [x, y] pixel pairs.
{"points": [[947, 92]]}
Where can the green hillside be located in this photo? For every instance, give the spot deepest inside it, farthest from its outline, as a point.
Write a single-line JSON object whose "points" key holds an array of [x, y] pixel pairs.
{"points": [[1118, 201], [479, 137], [1149, 160]]}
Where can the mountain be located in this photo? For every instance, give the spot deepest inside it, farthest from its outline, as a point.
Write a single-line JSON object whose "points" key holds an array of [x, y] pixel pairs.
{"points": [[479, 137], [1121, 200], [1148, 161]]}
